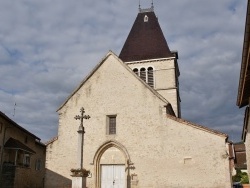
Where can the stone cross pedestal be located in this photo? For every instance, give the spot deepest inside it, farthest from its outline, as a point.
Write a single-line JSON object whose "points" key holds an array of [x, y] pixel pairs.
{"points": [[79, 178], [80, 174]]}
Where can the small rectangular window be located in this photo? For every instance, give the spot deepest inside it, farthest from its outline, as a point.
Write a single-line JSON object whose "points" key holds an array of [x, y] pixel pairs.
{"points": [[26, 160], [38, 164], [111, 124]]}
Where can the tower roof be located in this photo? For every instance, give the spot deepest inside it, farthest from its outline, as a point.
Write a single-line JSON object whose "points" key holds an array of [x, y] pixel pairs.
{"points": [[145, 40]]}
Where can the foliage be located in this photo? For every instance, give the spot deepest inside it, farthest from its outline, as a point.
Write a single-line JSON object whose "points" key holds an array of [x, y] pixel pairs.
{"points": [[80, 172], [241, 177]]}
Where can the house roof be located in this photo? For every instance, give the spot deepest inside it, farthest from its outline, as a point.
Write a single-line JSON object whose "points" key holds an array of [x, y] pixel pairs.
{"points": [[16, 125], [110, 53], [206, 129], [145, 40], [244, 81], [15, 144]]}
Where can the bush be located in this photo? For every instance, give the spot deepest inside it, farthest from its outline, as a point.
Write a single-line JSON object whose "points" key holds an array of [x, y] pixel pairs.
{"points": [[241, 177]]}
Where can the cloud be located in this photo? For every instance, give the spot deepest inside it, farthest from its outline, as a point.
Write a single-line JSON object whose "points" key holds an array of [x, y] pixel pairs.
{"points": [[48, 47]]}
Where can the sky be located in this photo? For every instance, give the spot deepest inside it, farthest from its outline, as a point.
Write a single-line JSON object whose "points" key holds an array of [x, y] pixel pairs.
{"points": [[47, 48]]}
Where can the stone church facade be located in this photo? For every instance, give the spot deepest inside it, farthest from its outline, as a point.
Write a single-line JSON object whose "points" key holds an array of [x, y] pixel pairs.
{"points": [[135, 136]]}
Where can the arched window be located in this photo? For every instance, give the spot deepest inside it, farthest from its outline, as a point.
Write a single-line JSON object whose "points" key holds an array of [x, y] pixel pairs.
{"points": [[143, 74], [136, 71], [150, 77]]}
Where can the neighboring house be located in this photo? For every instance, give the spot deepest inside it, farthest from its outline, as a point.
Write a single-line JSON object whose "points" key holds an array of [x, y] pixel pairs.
{"points": [[22, 159], [240, 156], [243, 99], [135, 136]]}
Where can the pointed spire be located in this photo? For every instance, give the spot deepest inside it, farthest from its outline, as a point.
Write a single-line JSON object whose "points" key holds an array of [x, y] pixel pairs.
{"points": [[145, 40]]}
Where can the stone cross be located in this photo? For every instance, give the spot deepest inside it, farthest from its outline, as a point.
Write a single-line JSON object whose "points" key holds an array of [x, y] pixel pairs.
{"points": [[81, 137]]}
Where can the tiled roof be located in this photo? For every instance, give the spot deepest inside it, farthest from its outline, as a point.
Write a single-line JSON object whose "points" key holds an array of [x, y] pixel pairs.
{"points": [[145, 40]]}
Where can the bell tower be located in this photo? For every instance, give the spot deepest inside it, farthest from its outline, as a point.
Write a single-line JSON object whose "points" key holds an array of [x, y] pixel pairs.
{"points": [[147, 53]]}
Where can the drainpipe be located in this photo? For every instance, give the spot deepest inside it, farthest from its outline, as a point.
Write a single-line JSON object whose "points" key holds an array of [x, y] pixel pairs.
{"points": [[2, 152]]}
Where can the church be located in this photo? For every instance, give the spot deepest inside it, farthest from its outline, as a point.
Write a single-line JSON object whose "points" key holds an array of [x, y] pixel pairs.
{"points": [[135, 137]]}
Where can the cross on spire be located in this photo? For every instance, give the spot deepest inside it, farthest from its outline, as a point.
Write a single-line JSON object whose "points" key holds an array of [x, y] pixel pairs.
{"points": [[82, 116], [151, 9]]}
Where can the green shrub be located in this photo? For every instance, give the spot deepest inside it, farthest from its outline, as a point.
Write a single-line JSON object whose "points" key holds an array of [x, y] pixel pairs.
{"points": [[241, 177]]}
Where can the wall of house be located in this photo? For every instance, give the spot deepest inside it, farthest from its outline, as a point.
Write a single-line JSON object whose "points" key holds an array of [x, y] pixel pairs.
{"points": [[165, 79], [35, 177], [39, 173], [247, 142], [160, 152]]}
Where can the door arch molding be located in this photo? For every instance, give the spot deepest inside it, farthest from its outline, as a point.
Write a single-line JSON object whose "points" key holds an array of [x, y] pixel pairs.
{"points": [[98, 155]]}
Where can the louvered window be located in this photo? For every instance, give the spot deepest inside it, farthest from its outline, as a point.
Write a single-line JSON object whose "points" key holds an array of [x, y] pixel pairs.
{"points": [[143, 74], [136, 71], [111, 124], [150, 77]]}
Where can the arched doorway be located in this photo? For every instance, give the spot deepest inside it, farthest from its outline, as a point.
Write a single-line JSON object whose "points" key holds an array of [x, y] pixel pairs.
{"points": [[112, 166]]}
